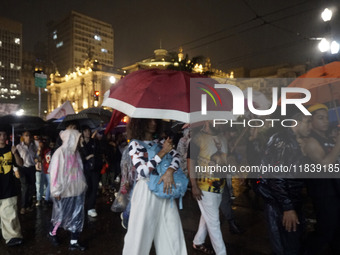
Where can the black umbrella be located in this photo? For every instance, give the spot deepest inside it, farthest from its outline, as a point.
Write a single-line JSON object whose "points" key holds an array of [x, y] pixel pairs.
{"points": [[23, 123], [50, 129], [82, 119], [98, 113]]}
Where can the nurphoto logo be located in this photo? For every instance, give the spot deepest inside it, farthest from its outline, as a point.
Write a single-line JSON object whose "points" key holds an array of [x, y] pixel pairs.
{"points": [[239, 101]]}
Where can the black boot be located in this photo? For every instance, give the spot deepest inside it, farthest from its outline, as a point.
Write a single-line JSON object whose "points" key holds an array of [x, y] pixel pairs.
{"points": [[53, 239], [234, 228], [76, 246]]}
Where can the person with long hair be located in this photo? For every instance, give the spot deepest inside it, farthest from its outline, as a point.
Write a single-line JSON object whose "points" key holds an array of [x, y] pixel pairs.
{"points": [[152, 219]]}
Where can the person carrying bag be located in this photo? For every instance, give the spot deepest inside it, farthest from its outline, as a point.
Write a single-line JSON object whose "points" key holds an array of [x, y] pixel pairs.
{"points": [[157, 187], [153, 219]]}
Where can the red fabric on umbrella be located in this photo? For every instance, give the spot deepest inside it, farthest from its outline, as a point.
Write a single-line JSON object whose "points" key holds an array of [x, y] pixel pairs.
{"points": [[115, 119], [164, 94]]}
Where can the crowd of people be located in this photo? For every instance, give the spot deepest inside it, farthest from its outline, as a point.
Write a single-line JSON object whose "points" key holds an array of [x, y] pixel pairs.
{"points": [[63, 174], [67, 174]]}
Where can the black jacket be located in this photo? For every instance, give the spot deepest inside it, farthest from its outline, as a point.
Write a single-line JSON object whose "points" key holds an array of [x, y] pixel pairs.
{"points": [[282, 191], [95, 163]]}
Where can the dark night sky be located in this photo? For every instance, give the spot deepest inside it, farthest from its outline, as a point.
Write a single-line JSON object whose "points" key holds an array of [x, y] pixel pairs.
{"points": [[226, 31]]}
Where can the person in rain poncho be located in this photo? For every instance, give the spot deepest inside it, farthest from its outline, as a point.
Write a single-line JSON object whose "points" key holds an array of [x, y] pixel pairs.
{"points": [[68, 186]]}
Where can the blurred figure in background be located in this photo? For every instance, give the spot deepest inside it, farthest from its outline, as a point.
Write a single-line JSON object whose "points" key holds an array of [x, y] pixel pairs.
{"points": [[27, 151], [182, 149], [44, 155], [90, 152]]}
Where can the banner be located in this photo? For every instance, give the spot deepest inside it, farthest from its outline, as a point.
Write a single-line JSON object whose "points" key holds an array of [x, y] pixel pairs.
{"points": [[63, 110]]}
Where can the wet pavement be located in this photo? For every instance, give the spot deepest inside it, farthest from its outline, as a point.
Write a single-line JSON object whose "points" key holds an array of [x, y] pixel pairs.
{"points": [[104, 234]]}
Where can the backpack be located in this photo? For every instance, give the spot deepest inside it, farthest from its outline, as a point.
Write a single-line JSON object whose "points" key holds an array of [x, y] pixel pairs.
{"points": [[180, 178]]}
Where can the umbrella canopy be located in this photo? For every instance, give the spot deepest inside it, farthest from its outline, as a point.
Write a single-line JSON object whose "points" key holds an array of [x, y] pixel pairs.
{"points": [[164, 94], [98, 113], [82, 119], [23, 123], [323, 82]]}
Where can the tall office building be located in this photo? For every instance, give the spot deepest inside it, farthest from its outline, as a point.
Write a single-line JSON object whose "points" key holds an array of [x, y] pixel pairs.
{"points": [[10, 62], [77, 38]]}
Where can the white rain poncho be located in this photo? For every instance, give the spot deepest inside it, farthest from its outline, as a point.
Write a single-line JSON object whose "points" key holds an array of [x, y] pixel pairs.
{"points": [[68, 182]]}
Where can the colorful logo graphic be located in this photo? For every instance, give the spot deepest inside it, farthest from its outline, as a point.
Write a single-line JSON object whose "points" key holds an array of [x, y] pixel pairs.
{"points": [[210, 94]]}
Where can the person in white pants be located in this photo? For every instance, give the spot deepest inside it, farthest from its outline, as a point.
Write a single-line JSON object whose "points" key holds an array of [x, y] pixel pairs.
{"points": [[208, 148], [152, 219], [210, 222]]}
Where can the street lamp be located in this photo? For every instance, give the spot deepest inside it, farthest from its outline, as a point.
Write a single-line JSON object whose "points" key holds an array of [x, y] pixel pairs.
{"points": [[326, 15], [323, 45], [335, 47], [20, 112], [328, 45], [112, 79]]}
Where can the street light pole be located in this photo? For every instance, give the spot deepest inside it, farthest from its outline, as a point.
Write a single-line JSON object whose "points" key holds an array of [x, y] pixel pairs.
{"points": [[39, 111]]}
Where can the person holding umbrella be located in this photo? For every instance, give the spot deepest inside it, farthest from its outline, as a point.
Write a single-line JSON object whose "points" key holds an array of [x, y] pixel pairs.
{"points": [[152, 219], [9, 157]]}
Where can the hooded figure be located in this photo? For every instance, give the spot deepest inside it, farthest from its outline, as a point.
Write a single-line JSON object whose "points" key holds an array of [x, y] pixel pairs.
{"points": [[68, 186]]}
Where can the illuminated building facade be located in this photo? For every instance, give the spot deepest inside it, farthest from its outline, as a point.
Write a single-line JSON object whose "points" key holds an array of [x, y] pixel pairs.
{"points": [[84, 88], [172, 60]]}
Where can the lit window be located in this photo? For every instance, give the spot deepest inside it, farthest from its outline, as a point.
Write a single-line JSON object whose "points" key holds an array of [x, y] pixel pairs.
{"points": [[15, 92], [17, 40], [104, 50], [55, 36], [60, 44], [12, 97], [97, 37], [0, 43], [11, 65]]}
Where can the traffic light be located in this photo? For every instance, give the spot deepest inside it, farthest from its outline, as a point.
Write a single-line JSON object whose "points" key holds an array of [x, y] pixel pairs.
{"points": [[96, 96]]}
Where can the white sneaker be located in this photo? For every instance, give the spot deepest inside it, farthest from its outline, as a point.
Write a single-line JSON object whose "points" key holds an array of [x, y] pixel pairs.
{"points": [[92, 213]]}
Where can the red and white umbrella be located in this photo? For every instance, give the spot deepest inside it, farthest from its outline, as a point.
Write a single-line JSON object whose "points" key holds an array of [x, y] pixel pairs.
{"points": [[166, 94]]}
